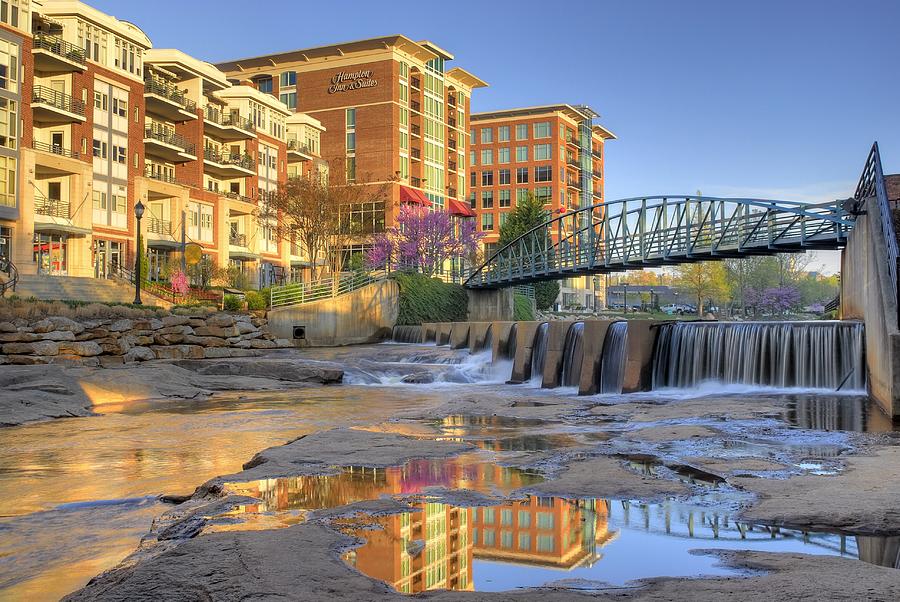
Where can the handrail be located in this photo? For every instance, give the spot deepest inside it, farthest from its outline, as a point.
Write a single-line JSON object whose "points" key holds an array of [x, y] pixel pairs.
{"points": [[161, 291], [871, 184], [244, 161], [12, 273], [56, 149], [57, 99], [295, 145], [169, 92], [157, 131], [51, 207], [317, 290], [228, 119], [59, 47], [159, 226]]}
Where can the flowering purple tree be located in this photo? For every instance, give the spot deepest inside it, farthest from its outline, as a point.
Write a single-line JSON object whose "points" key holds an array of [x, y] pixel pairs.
{"points": [[776, 300], [423, 240]]}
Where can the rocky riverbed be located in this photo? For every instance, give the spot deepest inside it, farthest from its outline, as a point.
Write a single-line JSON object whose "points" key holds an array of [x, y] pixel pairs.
{"points": [[671, 495]]}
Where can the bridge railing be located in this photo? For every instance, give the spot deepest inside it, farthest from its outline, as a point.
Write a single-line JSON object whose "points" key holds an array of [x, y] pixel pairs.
{"points": [[871, 185], [642, 232]]}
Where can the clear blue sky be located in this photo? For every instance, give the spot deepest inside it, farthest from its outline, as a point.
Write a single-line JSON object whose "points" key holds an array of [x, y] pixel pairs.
{"points": [[764, 98]]}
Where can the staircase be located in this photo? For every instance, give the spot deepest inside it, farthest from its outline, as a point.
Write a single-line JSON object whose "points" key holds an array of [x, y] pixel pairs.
{"points": [[71, 288]]}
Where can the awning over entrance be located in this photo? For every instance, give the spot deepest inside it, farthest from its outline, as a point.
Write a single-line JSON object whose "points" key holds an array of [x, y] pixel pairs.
{"points": [[458, 208], [416, 197], [243, 255], [61, 228]]}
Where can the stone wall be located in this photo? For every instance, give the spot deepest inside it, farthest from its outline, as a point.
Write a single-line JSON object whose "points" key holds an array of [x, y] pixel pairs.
{"points": [[59, 340]]}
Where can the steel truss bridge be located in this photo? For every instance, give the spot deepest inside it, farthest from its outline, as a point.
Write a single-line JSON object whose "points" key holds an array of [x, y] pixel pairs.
{"points": [[641, 232]]}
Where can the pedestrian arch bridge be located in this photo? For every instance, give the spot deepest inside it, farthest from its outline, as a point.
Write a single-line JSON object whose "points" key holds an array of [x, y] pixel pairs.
{"points": [[641, 232]]}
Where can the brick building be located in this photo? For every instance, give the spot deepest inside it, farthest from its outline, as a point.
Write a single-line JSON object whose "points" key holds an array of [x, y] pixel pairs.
{"points": [[554, 152]]}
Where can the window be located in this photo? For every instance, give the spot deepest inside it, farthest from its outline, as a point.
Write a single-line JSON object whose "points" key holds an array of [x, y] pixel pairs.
{"points": [[504, 199], [120, 107], [488, 535], [473, 178], [127, 57], [351, 169], [487, 202], [525, 542], [9, 125], [542, 152], [504, 177], [289, 98], [101, 101], [521, 154], [504, 217], [100, 200], [543, 173], [264, 84], [9, 11], [487, 178], [472, 136], [472, 199], [503, 133], [9, 65], [93, 40], [503, 154], [522, 175], [350, 118], [487, 135], [119, 153], [487, 156], [522, 131], [487, 225], [287, 78], [472, 158], [544, 543], [8, 181], [542, 129], [506, 539], [351, 142], [544, 520], [99, 149], [524, 519]]}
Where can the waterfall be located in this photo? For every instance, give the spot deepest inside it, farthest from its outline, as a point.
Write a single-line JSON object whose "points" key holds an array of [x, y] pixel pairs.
{"points": [[407, 334], [539, 352], [488, 338], [826, 354], [511, 342], [573, 354], [612, 359]]}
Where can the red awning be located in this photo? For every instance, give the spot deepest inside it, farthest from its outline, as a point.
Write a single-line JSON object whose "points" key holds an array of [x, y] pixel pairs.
{"points": [[411, 195], [457, 208]]}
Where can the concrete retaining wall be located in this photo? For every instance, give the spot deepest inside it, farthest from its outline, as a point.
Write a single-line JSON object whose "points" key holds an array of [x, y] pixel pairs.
{"points": [[364, 316], [521, 370], [866, 294], [490, 305], [594, 338]]}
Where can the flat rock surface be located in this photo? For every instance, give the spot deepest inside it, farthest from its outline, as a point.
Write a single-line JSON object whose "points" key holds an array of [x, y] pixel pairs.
{"points": [[29, 393]]}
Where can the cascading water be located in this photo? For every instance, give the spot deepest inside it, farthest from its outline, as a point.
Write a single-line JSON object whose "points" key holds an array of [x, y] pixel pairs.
{"points": [[538, 353], [822, 355], [407, 334], [573, 355], [511, 341], [488, 338], [612, 358]]}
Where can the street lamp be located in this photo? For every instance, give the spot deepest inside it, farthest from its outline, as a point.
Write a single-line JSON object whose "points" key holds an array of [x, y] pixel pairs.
{"points": [[651, 300], [138, 213], [625, 297]]}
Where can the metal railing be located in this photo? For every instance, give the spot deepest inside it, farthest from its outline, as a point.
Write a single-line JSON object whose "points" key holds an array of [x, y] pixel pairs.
{"points": [[167, 136], [56, 149], [59, 100], [244, 161], [169, 92], [157, 174], [160, 290], [59, 47], [51, 207], [12, 276], [229, 119], [159, 226], [295, 145], [871, 185], [236, 196], [238, 240], [325, 288]]}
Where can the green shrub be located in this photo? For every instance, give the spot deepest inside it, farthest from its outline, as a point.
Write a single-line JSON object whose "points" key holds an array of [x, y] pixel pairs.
{"points": [[545, 294], [424, 299], [522, 308], [257, 299], [232, 303]]}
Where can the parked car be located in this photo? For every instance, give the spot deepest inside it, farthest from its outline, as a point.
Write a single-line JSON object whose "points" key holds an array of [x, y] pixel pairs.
{"points": [[677, 308]]}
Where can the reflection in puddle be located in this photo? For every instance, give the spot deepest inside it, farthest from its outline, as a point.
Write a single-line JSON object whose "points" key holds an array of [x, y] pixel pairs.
{"points": [[837, 413], [538, 540]]}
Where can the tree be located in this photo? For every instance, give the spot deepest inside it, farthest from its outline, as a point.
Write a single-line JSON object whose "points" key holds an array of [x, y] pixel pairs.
{"points": [[529, 214], [423, 240], [317, 215], [702, 281]]}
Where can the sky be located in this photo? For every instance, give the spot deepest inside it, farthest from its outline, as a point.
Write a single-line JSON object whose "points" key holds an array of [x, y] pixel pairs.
{"points": [[765, 99]]}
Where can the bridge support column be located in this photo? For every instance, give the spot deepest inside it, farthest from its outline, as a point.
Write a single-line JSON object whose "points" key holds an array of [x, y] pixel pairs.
{"points": [[490, 305]]}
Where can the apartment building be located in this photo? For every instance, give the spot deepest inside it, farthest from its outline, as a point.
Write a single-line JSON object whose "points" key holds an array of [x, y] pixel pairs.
{"points": [[110, 121], [554, 152], [394, 115]]}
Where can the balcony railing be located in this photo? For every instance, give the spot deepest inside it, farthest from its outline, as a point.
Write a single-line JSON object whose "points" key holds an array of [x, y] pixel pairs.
{"points": [[416, 153], [169, 137], [169, 92], [237, 240], [451, 100], [56, 149], [59, 100], [296, 145], [452, 144], [415, 82], [159, 226], [452, 165], [415, 130], [51, 207], [597, 173], [415, 106], [59, 47], [451, 192], [158, 174], [244, 161], [236, 196], [230, 119], [451, 121], [417, 182]]}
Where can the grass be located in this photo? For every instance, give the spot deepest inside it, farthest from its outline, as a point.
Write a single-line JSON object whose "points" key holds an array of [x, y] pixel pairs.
{"points": [[523, 310]]}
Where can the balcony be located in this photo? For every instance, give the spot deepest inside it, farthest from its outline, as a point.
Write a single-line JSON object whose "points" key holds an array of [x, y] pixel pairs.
{"points": [[237, 197], [225, 166], [53, 107], [451, 144], [571, 140], [597, 173], [451, 192], [451, 165], [297, 151], [228, 126], [596, 152], [166, 100], [573, 184], [573, 162], [161, 227], [451, 121], [51, 207], [416, 182], [415, 106], [451, 100], [162, 183], [415, 83], [416, 154], [56, 161], [415, 130], [163, 142], [237, 240], [53, 55]]}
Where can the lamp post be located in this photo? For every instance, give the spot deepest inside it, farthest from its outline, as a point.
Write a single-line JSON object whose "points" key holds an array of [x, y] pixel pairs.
{"points": [[625, 297], [138, 213], [651, 300]]}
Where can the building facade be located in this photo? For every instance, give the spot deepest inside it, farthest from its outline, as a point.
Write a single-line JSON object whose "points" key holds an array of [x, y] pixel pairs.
{"points": [[553, 152], [394, 116], [93, 120]]}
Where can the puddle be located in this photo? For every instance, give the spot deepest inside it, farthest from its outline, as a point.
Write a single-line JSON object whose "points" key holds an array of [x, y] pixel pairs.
{"points": [[539, 540], [837, 413]]}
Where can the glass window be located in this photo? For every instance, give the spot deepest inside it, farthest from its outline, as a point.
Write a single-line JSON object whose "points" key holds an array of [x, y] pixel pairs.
{"points": [[488, 535], [350, 118], [504, 199], [9, 65], [8, 181], [503, 154], [487, 202], [544, 193], [521, 197], [522, 131], [487, 225], [473, 178], [8, 123], [521, 154], [542, 129], [289, 98], [264, 84], [487, 178], [525, 542], [542, 152], [544, 543], [487, 156], [288, 78], [351, 142], [504, 176], [487, 135], [472, 136], [506, 539], [351, 169], [522, 175], [472, 158], [543, 173], [503, 133]]}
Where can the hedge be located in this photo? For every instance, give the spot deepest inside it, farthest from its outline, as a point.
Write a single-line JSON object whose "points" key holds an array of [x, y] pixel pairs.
{"points": [[424, 299], [523, 310]]}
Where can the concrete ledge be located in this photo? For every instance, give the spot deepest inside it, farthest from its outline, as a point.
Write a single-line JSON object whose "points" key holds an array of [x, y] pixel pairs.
{"points": [[594, 338], [429, 332], [477, 333], [521, 371], [459, 335], [442, 336], [639, 349], [500, 332], [556, 342]]}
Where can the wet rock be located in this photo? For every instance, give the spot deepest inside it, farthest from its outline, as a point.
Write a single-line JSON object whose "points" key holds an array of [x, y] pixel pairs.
{"points": [[418, 378]]}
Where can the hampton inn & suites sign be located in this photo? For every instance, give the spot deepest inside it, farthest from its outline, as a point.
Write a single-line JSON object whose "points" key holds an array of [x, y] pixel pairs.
{"points": [[344, 81]]}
